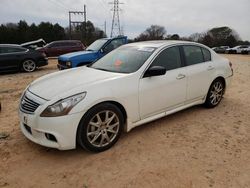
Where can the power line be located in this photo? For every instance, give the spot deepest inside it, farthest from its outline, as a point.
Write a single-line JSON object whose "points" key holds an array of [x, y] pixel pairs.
{"points": [[58, 4]]}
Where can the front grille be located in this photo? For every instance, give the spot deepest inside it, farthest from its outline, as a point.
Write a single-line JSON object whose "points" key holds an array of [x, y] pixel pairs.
{"points": [[28, 105]]}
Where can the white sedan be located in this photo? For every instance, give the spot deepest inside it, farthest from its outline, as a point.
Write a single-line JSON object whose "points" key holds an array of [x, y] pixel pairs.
{"points": [[134, 84]]}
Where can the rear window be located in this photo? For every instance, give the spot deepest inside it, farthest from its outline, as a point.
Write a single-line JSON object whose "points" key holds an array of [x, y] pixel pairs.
{"points": [[193, 55], [206, 54]]}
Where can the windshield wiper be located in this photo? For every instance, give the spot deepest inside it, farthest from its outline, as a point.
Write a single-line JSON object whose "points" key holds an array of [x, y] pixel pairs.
{"points": [[101, 69]]}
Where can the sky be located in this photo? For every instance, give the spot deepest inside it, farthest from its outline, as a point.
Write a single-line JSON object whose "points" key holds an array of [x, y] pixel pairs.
{"points": [[183, 17]]}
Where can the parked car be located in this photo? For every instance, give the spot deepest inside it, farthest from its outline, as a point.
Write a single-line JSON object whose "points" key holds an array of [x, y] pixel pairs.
{"points": [[132, 85], [95, 51], [220, 49], [34, 44], [57, 48], [15, 57], [236, 49], [246, 51]]}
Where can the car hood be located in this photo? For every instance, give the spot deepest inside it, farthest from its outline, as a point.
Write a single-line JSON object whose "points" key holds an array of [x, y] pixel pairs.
{"points": [[75, 55], [58, 83]]}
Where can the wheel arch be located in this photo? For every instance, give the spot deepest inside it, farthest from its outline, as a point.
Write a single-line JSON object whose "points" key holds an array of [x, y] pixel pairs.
{"points": [[220, 78], [117, 104]]}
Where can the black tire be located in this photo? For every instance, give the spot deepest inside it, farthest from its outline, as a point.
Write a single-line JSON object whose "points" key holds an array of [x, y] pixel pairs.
{"points": [[29, 65], [214, 96], [90, 121]]}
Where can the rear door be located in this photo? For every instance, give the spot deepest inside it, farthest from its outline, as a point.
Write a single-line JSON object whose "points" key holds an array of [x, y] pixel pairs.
{"points": [[10, 57], [54, 49], [200, 71], [161, 93]]}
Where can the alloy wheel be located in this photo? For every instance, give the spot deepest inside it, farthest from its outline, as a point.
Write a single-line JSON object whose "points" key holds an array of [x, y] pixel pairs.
{"points": [[103, 128], [216, 93], [29, 65]]}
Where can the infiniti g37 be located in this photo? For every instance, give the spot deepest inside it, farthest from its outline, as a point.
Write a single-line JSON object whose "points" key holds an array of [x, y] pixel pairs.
{"points": [[134, 84]]}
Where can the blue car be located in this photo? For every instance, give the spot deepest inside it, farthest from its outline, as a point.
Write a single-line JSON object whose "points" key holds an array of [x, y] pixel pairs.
{"points": [[95, 51]]}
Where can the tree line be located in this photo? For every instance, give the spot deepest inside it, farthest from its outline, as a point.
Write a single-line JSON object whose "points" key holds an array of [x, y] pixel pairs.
{"points": [[219, 36], [21, 32]]}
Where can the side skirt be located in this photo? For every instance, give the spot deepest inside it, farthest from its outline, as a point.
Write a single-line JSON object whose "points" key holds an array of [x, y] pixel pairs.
{"points": [[131, 125]]}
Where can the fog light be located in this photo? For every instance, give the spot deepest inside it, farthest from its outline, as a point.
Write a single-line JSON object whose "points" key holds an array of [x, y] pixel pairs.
{"points": [[50, 137]]}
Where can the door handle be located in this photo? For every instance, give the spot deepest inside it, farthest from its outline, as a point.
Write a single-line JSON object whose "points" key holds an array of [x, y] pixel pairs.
{"points": [[180, 76], [210, 68]]}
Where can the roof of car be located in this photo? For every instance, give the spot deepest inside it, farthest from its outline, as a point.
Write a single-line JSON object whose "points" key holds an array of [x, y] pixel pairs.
{"points": [[160, 43]]}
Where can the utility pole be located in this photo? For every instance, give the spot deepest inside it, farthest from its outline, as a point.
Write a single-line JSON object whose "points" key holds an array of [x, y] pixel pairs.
{"points": [[105, 27], [116, 27], [85, 21], [73, 23], [70, 37]]}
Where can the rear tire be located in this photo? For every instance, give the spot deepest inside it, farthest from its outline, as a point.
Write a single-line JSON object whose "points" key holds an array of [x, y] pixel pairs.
{"points": [[100, 128], [215, 93], [29, 65]]}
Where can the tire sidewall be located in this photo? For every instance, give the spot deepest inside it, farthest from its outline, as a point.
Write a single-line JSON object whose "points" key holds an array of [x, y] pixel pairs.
{"points": [[82, 139], [208, 101], [28, 60]]}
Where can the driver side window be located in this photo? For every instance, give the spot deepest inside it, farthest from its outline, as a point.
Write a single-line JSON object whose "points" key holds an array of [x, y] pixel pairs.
{"points": [[169, 58], [113, 45]]}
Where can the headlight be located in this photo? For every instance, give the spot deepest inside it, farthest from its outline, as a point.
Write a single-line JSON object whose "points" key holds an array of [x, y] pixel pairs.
{"points": [[63, 106], [68, 64]]}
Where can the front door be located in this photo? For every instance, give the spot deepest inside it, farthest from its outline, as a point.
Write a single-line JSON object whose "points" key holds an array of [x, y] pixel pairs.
{"points": [[161, 93]]}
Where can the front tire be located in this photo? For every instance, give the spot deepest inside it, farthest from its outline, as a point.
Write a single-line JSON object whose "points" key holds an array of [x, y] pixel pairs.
{"points": [[29, 65], [100, 128], [215, 93]]}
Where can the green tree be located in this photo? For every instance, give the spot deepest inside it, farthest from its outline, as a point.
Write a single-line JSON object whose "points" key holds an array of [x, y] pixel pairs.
{"points": [[154, 32]]}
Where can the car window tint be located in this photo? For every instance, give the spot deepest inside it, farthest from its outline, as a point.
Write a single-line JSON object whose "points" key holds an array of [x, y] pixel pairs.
{"points": [[113, 45], [71, 44], [193, 55], [206, 54], [12, 49], [169, 58]]}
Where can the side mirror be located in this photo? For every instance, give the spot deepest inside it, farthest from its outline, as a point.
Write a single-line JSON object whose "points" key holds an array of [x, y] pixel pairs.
{"points": [[155, 71]]}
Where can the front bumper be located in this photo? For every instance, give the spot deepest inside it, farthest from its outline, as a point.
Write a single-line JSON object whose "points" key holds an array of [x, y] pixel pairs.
{"points": [[62, 67], [54, 132]]}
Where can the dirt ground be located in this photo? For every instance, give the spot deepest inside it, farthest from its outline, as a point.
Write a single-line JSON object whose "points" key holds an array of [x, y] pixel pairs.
{"points": [[197, 147]]}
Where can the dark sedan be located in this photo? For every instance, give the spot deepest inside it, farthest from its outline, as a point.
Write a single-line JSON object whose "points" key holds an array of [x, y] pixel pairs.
{"points": [[15, 57], [57, 48]]}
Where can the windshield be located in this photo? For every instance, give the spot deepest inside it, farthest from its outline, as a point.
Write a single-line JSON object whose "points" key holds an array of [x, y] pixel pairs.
{"points": [[95, 46], [126, 59]]}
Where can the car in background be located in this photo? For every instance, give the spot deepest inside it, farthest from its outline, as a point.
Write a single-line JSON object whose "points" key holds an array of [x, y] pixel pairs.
{"points": [[246, 51], [57, 48], [15, 57], [237, 49], [34, 44], [221, 49], [132, 85], [95, 51]]}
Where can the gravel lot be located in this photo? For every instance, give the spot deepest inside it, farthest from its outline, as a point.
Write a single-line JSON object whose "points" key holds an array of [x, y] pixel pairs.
{"points": [[197, 147]]}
